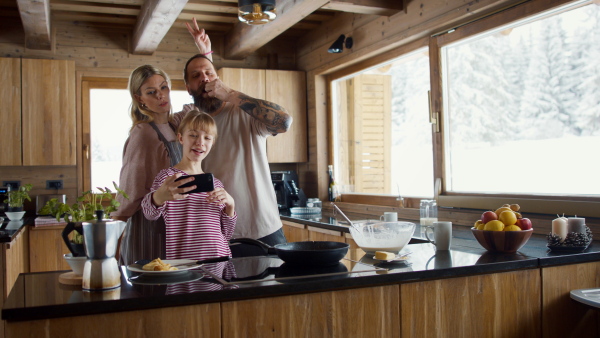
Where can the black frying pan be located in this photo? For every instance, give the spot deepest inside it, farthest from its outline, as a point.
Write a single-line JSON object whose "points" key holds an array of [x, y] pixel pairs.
{"points": [[311, 253]]}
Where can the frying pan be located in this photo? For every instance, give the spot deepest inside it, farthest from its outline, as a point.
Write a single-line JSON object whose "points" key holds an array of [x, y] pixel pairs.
{"points": [[313, 253]]}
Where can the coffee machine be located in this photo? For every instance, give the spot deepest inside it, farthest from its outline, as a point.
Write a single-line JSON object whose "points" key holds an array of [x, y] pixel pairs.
{"points": [[287, 191]]}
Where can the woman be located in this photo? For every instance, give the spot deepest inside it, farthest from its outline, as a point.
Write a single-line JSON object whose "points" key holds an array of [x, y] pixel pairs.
{"points": [[152, 146]]}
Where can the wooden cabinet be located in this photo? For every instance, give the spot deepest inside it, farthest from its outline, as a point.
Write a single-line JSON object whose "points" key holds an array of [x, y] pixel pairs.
{"points": [[14, 259], [10, 96], [287, 89], [295, 232], [38, 111], [562, 316], [46, 249], [48, 112]]}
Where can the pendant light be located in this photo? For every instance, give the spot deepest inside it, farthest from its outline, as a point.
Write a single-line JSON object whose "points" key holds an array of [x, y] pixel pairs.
{"points": [[256, 12]]}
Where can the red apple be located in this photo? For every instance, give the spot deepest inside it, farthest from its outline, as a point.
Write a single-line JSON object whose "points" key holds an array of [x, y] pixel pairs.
{"points": [[524, 223], [488, 216]]}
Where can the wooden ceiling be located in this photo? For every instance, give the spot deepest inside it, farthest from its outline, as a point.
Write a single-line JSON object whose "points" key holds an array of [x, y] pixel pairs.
{"points": [[150, 20]]}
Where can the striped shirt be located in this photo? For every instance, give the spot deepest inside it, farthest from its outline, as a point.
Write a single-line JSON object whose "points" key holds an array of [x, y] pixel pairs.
{"points": [[195, 229]]}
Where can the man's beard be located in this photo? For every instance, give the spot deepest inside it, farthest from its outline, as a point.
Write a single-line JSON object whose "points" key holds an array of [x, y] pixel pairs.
{"points": [[206, 104]]}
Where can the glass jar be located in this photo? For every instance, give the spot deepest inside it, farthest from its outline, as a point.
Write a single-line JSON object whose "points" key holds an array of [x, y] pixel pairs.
{"points": [[314, 203]]}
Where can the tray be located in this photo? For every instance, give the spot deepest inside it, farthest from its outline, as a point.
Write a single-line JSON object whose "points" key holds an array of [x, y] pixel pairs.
{"points": [[561, 248]]}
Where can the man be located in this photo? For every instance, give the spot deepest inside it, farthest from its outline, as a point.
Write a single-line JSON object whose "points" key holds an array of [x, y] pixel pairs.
{"points": [[239, 157]]}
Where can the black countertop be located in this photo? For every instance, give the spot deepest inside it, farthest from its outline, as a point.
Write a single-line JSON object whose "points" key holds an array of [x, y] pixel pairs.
{"points": [[257, 277]]}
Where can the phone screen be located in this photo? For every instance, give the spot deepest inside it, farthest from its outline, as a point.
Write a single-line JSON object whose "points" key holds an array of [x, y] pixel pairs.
{"points": [[203, 183]]}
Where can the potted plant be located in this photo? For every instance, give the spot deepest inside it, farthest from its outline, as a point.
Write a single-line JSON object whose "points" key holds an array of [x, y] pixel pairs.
{"points": [[88, 206], [15, 199]]}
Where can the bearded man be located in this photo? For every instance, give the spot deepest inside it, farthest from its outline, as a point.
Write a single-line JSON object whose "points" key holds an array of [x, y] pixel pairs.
{"points": [[239, 156]]}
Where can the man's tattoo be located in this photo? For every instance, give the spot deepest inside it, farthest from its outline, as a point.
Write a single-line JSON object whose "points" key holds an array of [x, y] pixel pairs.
{"points": [[267, 112]]}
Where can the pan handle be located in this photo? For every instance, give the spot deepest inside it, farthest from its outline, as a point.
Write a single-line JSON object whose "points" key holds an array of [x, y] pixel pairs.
{"points": [[269, 250]]}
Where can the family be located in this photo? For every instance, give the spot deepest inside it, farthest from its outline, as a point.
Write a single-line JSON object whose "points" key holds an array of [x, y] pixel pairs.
{"points": [[223, 132]]}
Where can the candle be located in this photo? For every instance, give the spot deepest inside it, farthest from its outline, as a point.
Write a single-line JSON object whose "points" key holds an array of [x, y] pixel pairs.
{"points": [[576, 224], [559, 228]]}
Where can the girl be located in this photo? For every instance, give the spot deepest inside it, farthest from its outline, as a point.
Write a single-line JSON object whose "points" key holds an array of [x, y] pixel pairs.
{"points": [[198, 225]]}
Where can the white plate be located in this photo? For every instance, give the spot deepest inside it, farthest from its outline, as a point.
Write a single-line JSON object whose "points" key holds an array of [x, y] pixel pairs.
{"points": [[187, 276], [191, 264], [398, 258]]}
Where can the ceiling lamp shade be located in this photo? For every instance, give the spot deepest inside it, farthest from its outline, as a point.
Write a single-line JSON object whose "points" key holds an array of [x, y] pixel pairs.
{"points": [[256, 12], [338, 45]]}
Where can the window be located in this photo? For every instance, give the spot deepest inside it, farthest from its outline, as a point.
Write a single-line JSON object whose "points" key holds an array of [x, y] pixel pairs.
{"points": [[109, 125], [382, 135], [522, 106]]}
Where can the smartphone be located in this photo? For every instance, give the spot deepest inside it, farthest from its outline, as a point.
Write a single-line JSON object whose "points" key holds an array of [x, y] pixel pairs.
{"points": [[203, 182]]}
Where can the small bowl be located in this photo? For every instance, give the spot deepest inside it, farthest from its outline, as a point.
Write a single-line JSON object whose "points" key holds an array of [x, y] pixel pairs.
{"points": [[15, 215], [382, 236], [76, 263], [502, 241]]}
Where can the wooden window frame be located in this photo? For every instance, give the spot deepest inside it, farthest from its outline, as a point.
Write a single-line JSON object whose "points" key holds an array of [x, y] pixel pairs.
{"points": [[543, 204]]}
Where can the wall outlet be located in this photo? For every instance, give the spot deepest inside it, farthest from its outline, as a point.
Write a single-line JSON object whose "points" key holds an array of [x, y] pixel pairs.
{"points": [[13, 184], [54, 184]]}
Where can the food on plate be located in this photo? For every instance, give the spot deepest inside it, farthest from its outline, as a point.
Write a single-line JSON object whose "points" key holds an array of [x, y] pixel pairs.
{"points": [[384, 255], [505, 218], [158, 265]]}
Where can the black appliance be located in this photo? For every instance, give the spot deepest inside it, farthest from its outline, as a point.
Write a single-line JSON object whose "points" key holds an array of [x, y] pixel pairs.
{"points": [[3, 196], [287, 191]]}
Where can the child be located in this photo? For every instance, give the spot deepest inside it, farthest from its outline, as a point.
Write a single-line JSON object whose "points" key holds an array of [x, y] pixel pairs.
{"points": [[198, 225]]}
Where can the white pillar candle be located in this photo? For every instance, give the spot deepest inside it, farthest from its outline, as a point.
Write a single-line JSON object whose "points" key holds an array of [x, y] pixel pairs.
{"points": [[559, 228], [576, 224]]}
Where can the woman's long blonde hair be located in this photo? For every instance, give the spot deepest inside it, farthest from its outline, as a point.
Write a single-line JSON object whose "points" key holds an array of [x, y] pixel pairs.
{"points": [[137, 78]]}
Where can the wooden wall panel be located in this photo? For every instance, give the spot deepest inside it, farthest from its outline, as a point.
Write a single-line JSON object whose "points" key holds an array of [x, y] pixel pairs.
{"points": [[10, 111], [497, 305], [368, 312], [562, 316], [37, 176], [17, 259]]}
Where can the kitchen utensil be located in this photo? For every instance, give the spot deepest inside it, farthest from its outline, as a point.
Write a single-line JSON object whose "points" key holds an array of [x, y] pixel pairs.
{"points": [[101, 270], [382, 236], [442, 232], [335, 207], [502, 241], [315, 253]]}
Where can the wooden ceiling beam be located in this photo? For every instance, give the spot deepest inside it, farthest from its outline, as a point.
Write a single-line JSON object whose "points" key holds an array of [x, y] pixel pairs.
{"points": [[154, 21], [245, 39], [35, 16], [373, 7]]}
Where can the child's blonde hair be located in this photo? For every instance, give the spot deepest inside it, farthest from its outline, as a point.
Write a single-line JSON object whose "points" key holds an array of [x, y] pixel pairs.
{"points": [[197, 120]]}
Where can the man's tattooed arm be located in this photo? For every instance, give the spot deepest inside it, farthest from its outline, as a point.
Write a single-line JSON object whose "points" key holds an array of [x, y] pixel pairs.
{"points": [[271, 114]]}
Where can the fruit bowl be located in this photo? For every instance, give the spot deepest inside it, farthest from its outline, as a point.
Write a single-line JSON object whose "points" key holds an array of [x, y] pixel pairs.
{"points": [[502, 241]]}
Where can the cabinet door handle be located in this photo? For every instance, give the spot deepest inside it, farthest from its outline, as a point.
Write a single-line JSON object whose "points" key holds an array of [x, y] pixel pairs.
{"points": [[86, 151]]}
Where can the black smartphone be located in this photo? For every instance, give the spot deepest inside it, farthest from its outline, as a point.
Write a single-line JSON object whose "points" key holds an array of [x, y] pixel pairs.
{"points": [[203, 182]]}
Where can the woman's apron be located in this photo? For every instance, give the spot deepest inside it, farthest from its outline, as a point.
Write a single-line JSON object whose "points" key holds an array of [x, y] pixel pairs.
{"points": [[142, 238]]}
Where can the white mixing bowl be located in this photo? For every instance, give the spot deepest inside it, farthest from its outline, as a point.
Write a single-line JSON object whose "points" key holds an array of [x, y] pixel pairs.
{"points": [[382, 236]]}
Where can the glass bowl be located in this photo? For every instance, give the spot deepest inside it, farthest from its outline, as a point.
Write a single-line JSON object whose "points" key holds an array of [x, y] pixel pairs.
{"points": [[374, 236]]}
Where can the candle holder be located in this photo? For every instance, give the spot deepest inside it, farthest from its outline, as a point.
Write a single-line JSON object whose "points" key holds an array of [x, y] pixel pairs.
{"points": [[573, 242]]}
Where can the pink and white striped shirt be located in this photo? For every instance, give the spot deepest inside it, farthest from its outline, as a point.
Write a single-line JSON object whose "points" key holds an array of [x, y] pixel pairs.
{"points": [[195, 229]]}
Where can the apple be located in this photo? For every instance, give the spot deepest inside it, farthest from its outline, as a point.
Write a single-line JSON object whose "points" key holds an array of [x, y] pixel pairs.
{"points": [[488, 216], [524, 223]]}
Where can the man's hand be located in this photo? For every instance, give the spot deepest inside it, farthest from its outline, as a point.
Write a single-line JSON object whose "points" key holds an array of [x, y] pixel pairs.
{"points": [[200, 38]]}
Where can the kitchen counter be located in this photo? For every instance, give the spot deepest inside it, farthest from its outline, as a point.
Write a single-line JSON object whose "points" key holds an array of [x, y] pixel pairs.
{"points": [[466, 258]]}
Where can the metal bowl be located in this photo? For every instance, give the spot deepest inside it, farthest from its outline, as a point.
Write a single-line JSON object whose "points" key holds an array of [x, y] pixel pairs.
{"points": [[374, 236]]}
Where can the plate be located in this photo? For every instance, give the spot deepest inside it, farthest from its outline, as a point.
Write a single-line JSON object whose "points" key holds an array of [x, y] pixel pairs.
{"points": [[399, 258], [191, 264], [185, 277], [305, 210], [561, 248]]}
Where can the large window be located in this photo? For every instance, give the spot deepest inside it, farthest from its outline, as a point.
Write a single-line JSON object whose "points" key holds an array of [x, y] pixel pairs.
{"points": [[382, 138], [522, 106], [109, 125]]}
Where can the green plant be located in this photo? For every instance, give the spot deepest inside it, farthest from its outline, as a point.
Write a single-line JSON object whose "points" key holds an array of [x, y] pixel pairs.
{"points": [[16, 198], [85, 207]]}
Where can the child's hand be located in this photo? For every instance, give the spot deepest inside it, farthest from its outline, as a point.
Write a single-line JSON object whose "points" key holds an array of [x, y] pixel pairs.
{"points": [[220, 196], [170, 190]]}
